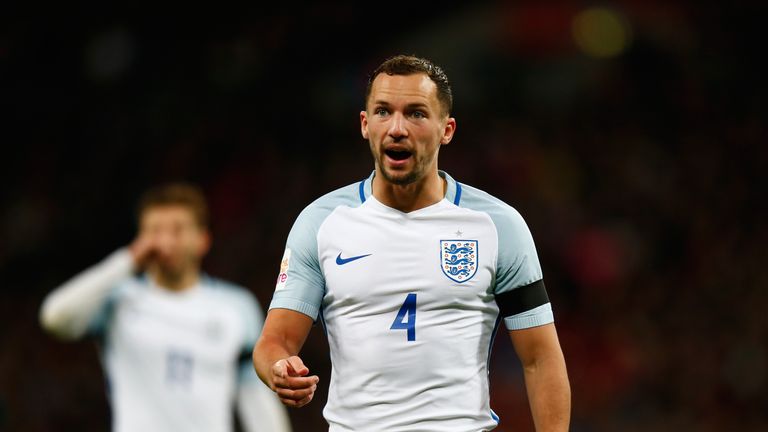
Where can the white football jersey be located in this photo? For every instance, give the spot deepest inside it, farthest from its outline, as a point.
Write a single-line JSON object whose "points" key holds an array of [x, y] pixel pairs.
{"points": [[409, 303], [172, 358]]}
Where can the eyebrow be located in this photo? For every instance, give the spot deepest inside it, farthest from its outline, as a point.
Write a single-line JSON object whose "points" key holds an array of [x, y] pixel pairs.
{"points": [[416, 105]]}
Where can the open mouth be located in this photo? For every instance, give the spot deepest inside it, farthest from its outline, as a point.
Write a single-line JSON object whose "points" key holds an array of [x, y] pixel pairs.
{"points": [[398, 155]]}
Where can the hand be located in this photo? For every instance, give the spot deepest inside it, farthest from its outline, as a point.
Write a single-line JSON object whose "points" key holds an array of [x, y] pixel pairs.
{"points": [[143, 250], [291, 383]]}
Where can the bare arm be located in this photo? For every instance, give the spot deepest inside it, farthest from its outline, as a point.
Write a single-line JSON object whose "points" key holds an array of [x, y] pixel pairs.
{"points": [[546, 379], [276, 361]]}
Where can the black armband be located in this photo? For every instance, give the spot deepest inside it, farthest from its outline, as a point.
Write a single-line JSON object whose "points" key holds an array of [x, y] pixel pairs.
{"points": [[522, 299]]}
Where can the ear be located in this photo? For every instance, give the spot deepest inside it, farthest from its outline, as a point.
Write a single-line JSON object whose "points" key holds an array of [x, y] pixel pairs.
{"points": [[448, 131], [364, 124], [205, 243]]}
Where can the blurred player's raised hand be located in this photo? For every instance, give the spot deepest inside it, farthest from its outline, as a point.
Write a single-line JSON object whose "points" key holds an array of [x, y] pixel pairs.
{"points": [[291, 383], [143, 250]]}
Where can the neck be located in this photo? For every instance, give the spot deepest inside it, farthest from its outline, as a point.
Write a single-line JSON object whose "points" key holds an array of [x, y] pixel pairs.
{"points": [[176, 282], [410, 197]]}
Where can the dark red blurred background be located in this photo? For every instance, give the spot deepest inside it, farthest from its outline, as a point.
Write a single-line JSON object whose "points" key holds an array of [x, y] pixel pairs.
{"points": [[630, 135]]}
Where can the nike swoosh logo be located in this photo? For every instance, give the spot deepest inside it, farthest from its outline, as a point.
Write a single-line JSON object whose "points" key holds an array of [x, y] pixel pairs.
{"points": [[342, 261]]}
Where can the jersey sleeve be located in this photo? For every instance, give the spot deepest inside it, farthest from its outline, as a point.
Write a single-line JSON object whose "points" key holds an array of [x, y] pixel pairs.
{"points": [[82, 305], [519, 288], [300, 283], [100, 322], [517, 263]]}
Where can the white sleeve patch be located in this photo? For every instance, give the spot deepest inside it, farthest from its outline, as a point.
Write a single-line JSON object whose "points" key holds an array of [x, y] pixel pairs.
{"points": [[282, 278]]}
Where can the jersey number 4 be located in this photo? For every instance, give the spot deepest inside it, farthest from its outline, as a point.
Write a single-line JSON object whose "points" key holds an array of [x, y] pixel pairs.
{"points": [[406, 317]]}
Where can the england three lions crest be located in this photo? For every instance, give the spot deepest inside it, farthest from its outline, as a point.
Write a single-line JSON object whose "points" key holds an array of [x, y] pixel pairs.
{"points": [[459, 259]]}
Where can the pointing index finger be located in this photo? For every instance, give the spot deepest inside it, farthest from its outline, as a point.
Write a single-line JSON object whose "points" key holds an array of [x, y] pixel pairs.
{"points": [[296, 366]]}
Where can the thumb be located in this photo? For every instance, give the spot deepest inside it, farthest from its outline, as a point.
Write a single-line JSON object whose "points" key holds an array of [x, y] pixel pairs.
{"points": [[296, 366]]}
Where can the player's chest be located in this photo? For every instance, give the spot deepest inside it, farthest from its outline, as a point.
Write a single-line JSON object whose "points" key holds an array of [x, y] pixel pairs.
{"points": [[154, 323], [364, 258]]}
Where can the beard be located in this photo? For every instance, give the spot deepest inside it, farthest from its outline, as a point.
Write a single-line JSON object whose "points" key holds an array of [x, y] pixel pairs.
{"points": [[166, 273], [401, 178], [171, 273]]}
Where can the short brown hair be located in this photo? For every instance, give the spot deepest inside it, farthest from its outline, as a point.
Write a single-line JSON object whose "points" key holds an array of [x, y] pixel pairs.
{"points": [[409, 65], [181, 194]]}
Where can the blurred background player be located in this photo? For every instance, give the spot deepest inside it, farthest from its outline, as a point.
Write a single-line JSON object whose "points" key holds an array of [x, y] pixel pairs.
{"points": [[175, 342]]}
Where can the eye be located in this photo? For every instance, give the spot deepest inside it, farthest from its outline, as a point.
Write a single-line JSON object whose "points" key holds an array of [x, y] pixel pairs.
{"points": [[418, 115], [380, 111]]}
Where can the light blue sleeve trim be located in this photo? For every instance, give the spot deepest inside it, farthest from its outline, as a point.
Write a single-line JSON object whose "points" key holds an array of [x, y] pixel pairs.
{"points": [[295, 304], [304, 287], [535, 317]]}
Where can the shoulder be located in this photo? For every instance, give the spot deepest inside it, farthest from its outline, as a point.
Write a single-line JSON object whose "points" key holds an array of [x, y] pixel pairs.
{"points": [[517, 261], [223, 286], [347, 196], [228, 292], [504, 216], [129, 287], [238, 302], [313, 215]]}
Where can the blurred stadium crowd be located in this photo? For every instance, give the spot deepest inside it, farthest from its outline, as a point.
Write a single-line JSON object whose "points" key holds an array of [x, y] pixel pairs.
{"points": [[630, 135]]}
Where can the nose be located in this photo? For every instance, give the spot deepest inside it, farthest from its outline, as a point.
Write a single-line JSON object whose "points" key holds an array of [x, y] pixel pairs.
{"points": [[165, 241], [397, 128]]}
